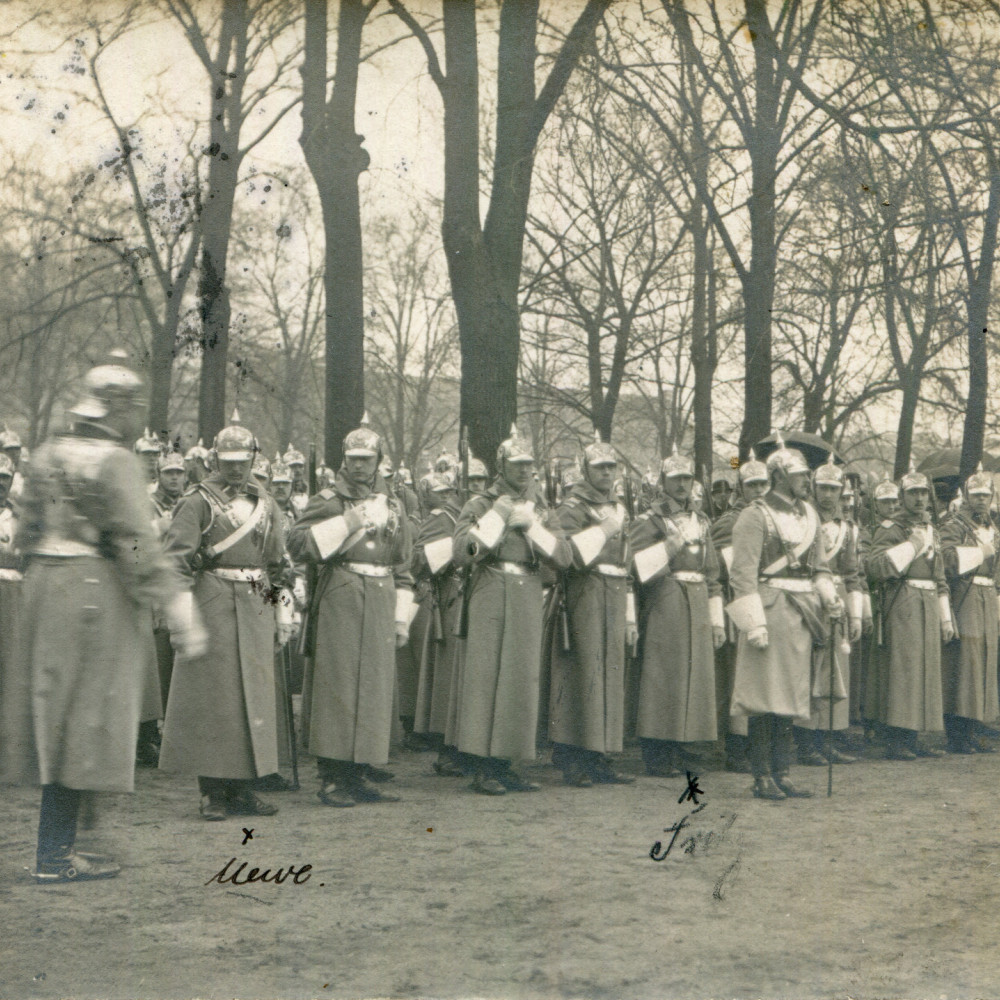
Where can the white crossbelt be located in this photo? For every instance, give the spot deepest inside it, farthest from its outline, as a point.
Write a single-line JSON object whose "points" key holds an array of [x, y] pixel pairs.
{"points": [[367, 569], [790, 583], [609, 569], [981, 581], [248, 574], [518, 569], [922, 584], [64, 547], [686, 576], [13, 575]]}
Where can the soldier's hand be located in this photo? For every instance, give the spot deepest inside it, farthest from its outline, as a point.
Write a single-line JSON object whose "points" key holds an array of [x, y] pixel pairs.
{"points": [[377, 510], [757, 637], [299, 591], [947, 632], [854, 629], [402, 634], [284, 632], [988, 551], [718, 637], [521, 517], [631, 637], [504, 506], [836, 609], [918, 539], [354, 519], [187, 633], [612, 525]]}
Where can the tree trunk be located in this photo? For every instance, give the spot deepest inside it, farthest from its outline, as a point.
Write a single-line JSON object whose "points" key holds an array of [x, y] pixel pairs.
{"points": [[336, 158], [907, 413]]}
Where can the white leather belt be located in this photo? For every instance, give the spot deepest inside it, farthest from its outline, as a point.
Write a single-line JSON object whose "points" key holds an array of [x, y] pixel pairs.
{"points": [[64, 547], [793, 584], [609, 569], [922, 584], [367, 569], [518, 569], [236, 575], [11, 574], [686, 576], [982, 581]]}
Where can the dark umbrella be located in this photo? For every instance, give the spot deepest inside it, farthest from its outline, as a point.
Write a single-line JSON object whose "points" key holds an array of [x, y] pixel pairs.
{"points": [[944, 463], [814, 449]]}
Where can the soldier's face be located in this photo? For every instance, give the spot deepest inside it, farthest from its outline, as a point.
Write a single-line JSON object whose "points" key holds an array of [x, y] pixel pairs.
{"points": [[678, 487], [602, 477], [195, 470], [755, 490], [827, 496], [172, 482], [916, 501], [360, 468], [887, 507], [5, 484], [477, 484], [518, 474], [235, 472], [720, 498], [299, 472], [281, 491], [979, 503], [149, 460], [798, 484], [262, 481]]}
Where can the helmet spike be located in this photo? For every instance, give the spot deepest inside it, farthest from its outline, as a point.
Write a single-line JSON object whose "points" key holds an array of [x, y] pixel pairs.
{"points": [[365, 422], [753, 455], [235, 418], [597, 436], [779, 437]]}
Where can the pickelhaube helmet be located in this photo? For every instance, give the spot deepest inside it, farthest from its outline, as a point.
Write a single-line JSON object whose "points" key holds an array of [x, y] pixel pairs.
{"points": [[405, 476], [477, 469], [789, 460], [753, 470], [979, 481], [172, 461], [440, 482], [697, 493], [886, 490], [9, 440], [323, 473], [599, 452], [234, 443], [445, 462], [293, 456], [514, 449], [648, 479], [280, 473], [148, 444], [385, 467], [362, 442], [676, 465], [913, 480], [197, 452], [572, 473], [261, 467], [6, 465], [105, 384], [721, 483], [829, 474]]}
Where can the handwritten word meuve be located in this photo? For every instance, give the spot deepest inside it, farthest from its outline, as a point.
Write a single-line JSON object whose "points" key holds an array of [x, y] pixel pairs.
{"points": [[299, 876]]}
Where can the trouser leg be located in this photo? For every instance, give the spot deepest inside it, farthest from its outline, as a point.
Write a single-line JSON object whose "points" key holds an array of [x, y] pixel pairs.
{"points": [[759, 737], [57, 822], [782, 745]]}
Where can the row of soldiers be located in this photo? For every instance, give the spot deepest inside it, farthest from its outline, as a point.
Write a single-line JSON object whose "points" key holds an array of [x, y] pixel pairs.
{"points": [[577, 621]]}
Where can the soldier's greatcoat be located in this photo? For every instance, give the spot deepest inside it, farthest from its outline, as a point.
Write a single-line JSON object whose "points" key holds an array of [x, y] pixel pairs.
{"points": [[15, 684], [970, 663], [433, 634], [499, 686], [907, 691], [677, 680], [776, 540], [94, 570], [587, 686], [348, 688], [220, 719]]}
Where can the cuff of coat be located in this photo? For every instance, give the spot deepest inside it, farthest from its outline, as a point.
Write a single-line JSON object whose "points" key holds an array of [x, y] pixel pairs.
{"points": [[747, 612], [330, 535], [488, 532], [404, 606], [438, 553], [715, 615], [969, 557], [945, 606], [650, 561], [901, 555], [866, 607], [542, 538], [630, 618], [825, 588], [727, 556], [180, 612], [285, 608], [589, 543], [856, 604]]}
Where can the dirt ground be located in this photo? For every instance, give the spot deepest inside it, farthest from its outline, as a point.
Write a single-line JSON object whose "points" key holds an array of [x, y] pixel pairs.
{"points": [[889, 889]]}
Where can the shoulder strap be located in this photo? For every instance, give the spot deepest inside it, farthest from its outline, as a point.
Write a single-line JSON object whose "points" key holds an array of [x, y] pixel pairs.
{"points": [[242, 531]]}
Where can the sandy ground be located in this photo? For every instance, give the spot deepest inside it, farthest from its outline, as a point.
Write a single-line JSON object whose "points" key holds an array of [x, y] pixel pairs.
{"points": [[889, 889]]}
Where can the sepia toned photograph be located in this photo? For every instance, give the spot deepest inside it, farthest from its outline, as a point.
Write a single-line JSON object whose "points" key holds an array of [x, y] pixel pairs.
{"points": [[499, 500]]}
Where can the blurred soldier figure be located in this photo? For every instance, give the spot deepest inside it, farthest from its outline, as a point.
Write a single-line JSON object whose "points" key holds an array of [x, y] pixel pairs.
{"points": [[94, 568], [680, 619], [433, 633], [196, 463], [261, 472], [501, 536], [916, 616], [10, 445], [722, 490], [752, 480], [478, 477], [15, 684], [359, 537], [781, 587], [148, 449], [969, 546], [226, 541], [840, 552], [296, 463], [281, 489], [586, 703]]}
